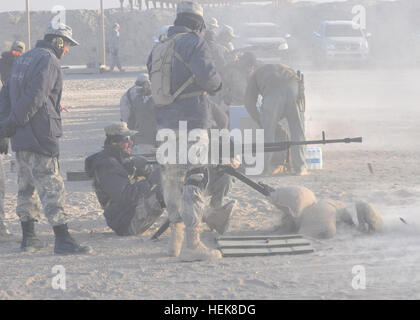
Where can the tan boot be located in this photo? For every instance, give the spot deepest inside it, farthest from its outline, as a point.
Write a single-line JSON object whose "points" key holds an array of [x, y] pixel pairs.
{"points": [[176, 239], [219, 218], [3, 230], [194, 250]]}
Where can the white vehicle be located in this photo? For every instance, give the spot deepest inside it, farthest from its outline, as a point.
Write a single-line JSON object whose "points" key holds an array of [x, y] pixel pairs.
{"points": [[264, 39], [340, 41]]}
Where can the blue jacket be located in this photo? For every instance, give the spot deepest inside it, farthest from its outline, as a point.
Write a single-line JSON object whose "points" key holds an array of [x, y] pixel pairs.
{"points": [[195, 110], [32, 101], [116, 194]]}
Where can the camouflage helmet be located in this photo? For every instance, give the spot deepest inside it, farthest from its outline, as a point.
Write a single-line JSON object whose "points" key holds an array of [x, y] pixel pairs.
{"points": [[119, 129], [228, 31], [61, 30], [142, 77], [190, 7], [18, 46]]}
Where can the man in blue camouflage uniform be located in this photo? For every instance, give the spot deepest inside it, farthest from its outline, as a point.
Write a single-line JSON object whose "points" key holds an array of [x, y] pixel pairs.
{"points": [[30, 115], [184, 186]]}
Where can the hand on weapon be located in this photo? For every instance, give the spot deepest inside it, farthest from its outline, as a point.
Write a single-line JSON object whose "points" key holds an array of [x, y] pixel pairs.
{"points": [[235, 162], [141, 166]]}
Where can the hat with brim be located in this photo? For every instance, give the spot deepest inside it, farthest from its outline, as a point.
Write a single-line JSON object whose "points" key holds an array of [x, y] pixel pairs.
{"points": [[60, 29], [119, 129], [229, 30], [212, 23]]}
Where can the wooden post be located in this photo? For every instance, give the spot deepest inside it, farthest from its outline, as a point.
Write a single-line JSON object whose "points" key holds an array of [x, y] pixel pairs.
{"points": [[28, 20], [103, 33]]}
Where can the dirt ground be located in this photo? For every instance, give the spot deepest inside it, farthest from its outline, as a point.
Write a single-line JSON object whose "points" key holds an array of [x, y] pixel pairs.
{"points": [[382, 106]]}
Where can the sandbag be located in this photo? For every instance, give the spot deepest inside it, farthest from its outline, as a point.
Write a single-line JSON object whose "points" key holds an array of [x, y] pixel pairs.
{"points": [[369, 220], [343, 216], [319, 220], [295, 197]]}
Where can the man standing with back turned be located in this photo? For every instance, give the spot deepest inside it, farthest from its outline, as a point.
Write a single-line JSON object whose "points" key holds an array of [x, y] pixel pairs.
{"points": [[30, 115], [193, 75]]}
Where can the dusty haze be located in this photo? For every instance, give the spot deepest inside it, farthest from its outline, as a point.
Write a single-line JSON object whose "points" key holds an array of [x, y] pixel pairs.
{"points": [[378, 101]]}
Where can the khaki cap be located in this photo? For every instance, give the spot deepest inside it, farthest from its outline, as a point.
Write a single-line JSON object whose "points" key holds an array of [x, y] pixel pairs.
{"points": [[119, 129], [190, 7]]}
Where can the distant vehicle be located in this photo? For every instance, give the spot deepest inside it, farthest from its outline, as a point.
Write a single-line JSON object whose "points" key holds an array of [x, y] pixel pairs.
{"points": [[264, 39], [417, 47], [340, 41]]}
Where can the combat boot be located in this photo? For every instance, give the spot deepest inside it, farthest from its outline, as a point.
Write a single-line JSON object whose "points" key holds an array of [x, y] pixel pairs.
{"points": [[3, 230], [30, 242], [219, 218], [65, 244], [176, 238], [194, 250]]}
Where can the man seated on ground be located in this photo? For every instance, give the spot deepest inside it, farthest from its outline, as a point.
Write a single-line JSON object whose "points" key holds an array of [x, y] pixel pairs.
{"points": [[127, 188], [138, 111]]}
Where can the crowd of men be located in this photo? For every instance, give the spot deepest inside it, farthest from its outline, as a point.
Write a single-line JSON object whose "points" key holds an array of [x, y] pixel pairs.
{"points": [[207, 75]]}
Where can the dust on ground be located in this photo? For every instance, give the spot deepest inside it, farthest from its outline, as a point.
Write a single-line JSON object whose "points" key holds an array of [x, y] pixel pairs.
{"points": [[380, 106]]}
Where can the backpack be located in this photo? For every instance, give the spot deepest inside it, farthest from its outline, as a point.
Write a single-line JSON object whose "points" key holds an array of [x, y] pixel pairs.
{"points": [[161, 73]]}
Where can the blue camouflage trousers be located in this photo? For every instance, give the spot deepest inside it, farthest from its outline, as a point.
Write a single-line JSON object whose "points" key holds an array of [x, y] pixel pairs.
{"points": [[184, 193], [184, 202], [39, 182]]}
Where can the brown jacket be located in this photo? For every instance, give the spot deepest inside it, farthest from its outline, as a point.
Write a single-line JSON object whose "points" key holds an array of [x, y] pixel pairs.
{"points": [[264, 80]]}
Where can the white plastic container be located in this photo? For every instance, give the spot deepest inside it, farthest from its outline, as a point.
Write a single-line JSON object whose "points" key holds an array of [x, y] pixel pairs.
{"points": [[314, 158]]}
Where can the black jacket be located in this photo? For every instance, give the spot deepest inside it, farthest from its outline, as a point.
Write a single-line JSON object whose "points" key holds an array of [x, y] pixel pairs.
{"points": [[116, 194]]}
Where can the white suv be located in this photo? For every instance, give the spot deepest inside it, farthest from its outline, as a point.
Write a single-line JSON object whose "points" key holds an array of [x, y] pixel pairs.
{"points": [[340, 41]]}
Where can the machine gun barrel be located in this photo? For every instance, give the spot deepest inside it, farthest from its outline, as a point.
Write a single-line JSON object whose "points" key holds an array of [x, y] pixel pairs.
{"points": [[275, 146], [284, 145]]}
